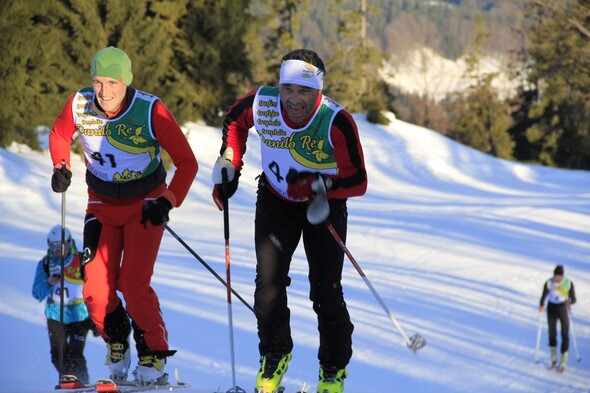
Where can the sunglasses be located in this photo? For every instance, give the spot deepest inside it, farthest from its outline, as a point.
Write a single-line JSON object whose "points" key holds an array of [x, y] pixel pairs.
{"points": [[56, 246]]}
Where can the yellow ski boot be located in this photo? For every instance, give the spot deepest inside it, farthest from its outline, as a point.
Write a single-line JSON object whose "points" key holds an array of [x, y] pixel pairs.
{"points": [[272, 370]]}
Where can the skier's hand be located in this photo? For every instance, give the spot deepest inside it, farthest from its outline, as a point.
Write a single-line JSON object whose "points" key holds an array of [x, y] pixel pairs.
{"points": [[53, 279], [61, 179], [156, 212], [232, 186], [541, 309], [221, 164], [300, 184]]}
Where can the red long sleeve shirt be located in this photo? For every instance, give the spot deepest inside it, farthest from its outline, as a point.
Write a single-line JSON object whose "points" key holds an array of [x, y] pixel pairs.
{"points": [[167, 131]]}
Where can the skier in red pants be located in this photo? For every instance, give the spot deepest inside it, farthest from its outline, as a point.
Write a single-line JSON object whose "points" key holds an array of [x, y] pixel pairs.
{"points": [[122, 131]]}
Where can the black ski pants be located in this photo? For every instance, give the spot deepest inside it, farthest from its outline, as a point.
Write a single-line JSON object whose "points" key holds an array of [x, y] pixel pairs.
{"points": [[279, 226], [558, 312], [71, 338]]}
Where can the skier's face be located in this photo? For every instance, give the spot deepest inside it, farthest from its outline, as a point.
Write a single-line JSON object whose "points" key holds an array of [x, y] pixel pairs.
{"points": [[55, 249], [558, 278], [298, 101], [109, 92]]}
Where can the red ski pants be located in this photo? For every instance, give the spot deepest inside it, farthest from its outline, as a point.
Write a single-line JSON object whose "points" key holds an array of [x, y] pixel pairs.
{"points": [[124, 261]]}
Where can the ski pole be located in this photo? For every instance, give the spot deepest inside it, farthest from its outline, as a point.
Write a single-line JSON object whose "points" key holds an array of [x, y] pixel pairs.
{"points": [[416, 342], [569, 315], [194, 254], [62, 339], [539, 327], [228, 275]]}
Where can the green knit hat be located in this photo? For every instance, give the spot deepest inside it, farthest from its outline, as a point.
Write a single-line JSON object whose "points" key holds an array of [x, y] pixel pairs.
{"points": [[113, 63]]}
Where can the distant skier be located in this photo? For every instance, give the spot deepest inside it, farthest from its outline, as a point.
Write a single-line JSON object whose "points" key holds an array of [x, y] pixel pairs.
{"points": [[560, 293], [76, 320]]}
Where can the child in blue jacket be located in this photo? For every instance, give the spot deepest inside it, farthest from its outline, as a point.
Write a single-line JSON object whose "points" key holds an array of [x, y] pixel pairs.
{"points": [[71, 335]]}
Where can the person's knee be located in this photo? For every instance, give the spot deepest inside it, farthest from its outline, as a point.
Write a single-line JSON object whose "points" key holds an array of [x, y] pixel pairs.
{"points": [[328, 299], [134, 285]]}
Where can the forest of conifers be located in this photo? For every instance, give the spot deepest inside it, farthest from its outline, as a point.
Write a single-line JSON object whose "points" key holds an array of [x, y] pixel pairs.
{"points": [[198, 56]]}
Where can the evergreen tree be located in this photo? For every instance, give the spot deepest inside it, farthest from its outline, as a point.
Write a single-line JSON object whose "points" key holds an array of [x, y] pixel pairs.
{"points": [[149, 31], [481, 119], [51, 44], [213, 52], [39, 68], [279, 21], [353, 66], [556, 97]]}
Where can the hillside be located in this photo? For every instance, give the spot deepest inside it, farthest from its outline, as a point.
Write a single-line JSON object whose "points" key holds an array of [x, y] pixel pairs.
{"points": [[458, 244], [425, 73], [446, 26]]}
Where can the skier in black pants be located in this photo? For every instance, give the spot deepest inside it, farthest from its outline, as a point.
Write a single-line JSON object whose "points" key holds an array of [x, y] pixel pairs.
{"points": [[306, 138], [560, 293]]}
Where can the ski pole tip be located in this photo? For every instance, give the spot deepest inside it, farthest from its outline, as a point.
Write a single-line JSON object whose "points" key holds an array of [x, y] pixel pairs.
{"points": [[416, 342]]}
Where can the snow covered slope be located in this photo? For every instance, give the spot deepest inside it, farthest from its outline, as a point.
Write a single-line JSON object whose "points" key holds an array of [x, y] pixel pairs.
{"points": [[457, 243]]}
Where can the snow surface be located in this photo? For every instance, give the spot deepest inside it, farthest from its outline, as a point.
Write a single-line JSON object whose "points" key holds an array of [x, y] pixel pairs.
{"points": [[457, 243], [423, 72]]}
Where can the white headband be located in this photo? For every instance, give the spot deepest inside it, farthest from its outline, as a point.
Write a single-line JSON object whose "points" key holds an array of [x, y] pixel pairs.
{"points": [[299, 72]]}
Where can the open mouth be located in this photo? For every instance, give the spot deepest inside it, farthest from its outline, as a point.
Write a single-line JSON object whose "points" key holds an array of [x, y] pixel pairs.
{"points": [[297, 110]]}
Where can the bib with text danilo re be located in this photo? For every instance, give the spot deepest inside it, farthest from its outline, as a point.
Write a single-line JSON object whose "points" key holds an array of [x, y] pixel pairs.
{"points": [[120, 149], [73, 281], [283, 148]]}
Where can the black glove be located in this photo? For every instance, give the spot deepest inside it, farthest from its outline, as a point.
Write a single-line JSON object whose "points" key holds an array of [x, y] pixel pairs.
{"points": [[300, 184], [219, 196], [61, 179], [156, 212]]}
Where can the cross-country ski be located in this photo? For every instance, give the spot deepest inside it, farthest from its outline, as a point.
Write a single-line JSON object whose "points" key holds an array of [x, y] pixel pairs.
{"points": [[110, 386]]}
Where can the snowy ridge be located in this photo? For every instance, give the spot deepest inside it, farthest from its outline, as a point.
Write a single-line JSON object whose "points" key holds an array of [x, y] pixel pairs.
{"points": [[423, 72], [457, 243]]}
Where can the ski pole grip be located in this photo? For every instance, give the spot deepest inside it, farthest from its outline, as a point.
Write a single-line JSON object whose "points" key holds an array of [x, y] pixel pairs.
{"points": [[224, 182]]}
